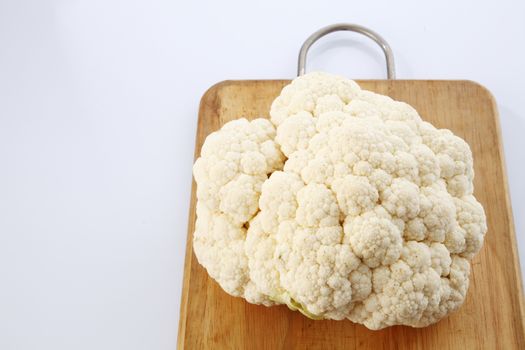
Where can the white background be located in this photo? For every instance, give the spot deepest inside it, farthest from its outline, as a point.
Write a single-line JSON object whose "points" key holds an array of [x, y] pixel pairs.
{"points": [[98, 109]]}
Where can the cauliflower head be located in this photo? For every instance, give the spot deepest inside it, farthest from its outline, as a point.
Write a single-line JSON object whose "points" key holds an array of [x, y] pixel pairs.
{"points": [[346, 205]]}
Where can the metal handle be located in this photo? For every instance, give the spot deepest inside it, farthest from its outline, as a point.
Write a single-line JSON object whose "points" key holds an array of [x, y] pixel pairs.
{"points": [[390, 67]]}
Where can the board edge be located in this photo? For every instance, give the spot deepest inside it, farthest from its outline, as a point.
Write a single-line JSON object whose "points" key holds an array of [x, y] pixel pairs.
{"points": [[209, 96], [508, 203]]}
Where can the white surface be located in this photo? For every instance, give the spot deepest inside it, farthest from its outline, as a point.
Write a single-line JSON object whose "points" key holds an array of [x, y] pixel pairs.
{"points": [[98, 109]]}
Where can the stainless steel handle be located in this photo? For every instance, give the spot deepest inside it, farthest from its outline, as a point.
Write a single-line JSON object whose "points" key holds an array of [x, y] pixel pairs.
{"points": [[390, 66]]}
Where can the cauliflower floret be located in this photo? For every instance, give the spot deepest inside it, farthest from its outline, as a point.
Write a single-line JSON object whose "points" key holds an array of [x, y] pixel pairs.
{"points": [[295, 132], [238, 198], [278, 207], [471, 218], [346, 205], [234, 163], [220, 246], [355, 194], [233, 166], [317, 207], [401, 199], [304, 93], [374, 238], [402, 291], [322, 286]]}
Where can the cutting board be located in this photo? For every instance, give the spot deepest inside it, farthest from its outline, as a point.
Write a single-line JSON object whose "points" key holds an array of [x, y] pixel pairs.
{"points": [[492, 316]]}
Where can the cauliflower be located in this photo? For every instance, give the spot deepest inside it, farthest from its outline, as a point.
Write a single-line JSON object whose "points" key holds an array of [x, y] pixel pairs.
{"points": [[346, 205]]}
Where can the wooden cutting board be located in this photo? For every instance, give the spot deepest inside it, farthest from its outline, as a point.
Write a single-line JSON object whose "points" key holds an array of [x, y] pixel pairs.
{"points": [[492, 316]]}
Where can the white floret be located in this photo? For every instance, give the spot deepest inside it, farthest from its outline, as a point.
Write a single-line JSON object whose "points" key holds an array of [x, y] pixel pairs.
{"points": [[230, 172], [374, 238], [471, 218], [303, 93], [295, 132], [355, 194]]}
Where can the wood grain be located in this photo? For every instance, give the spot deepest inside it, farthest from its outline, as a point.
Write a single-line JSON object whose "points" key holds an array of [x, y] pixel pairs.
{"points": [[492, 316]]}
